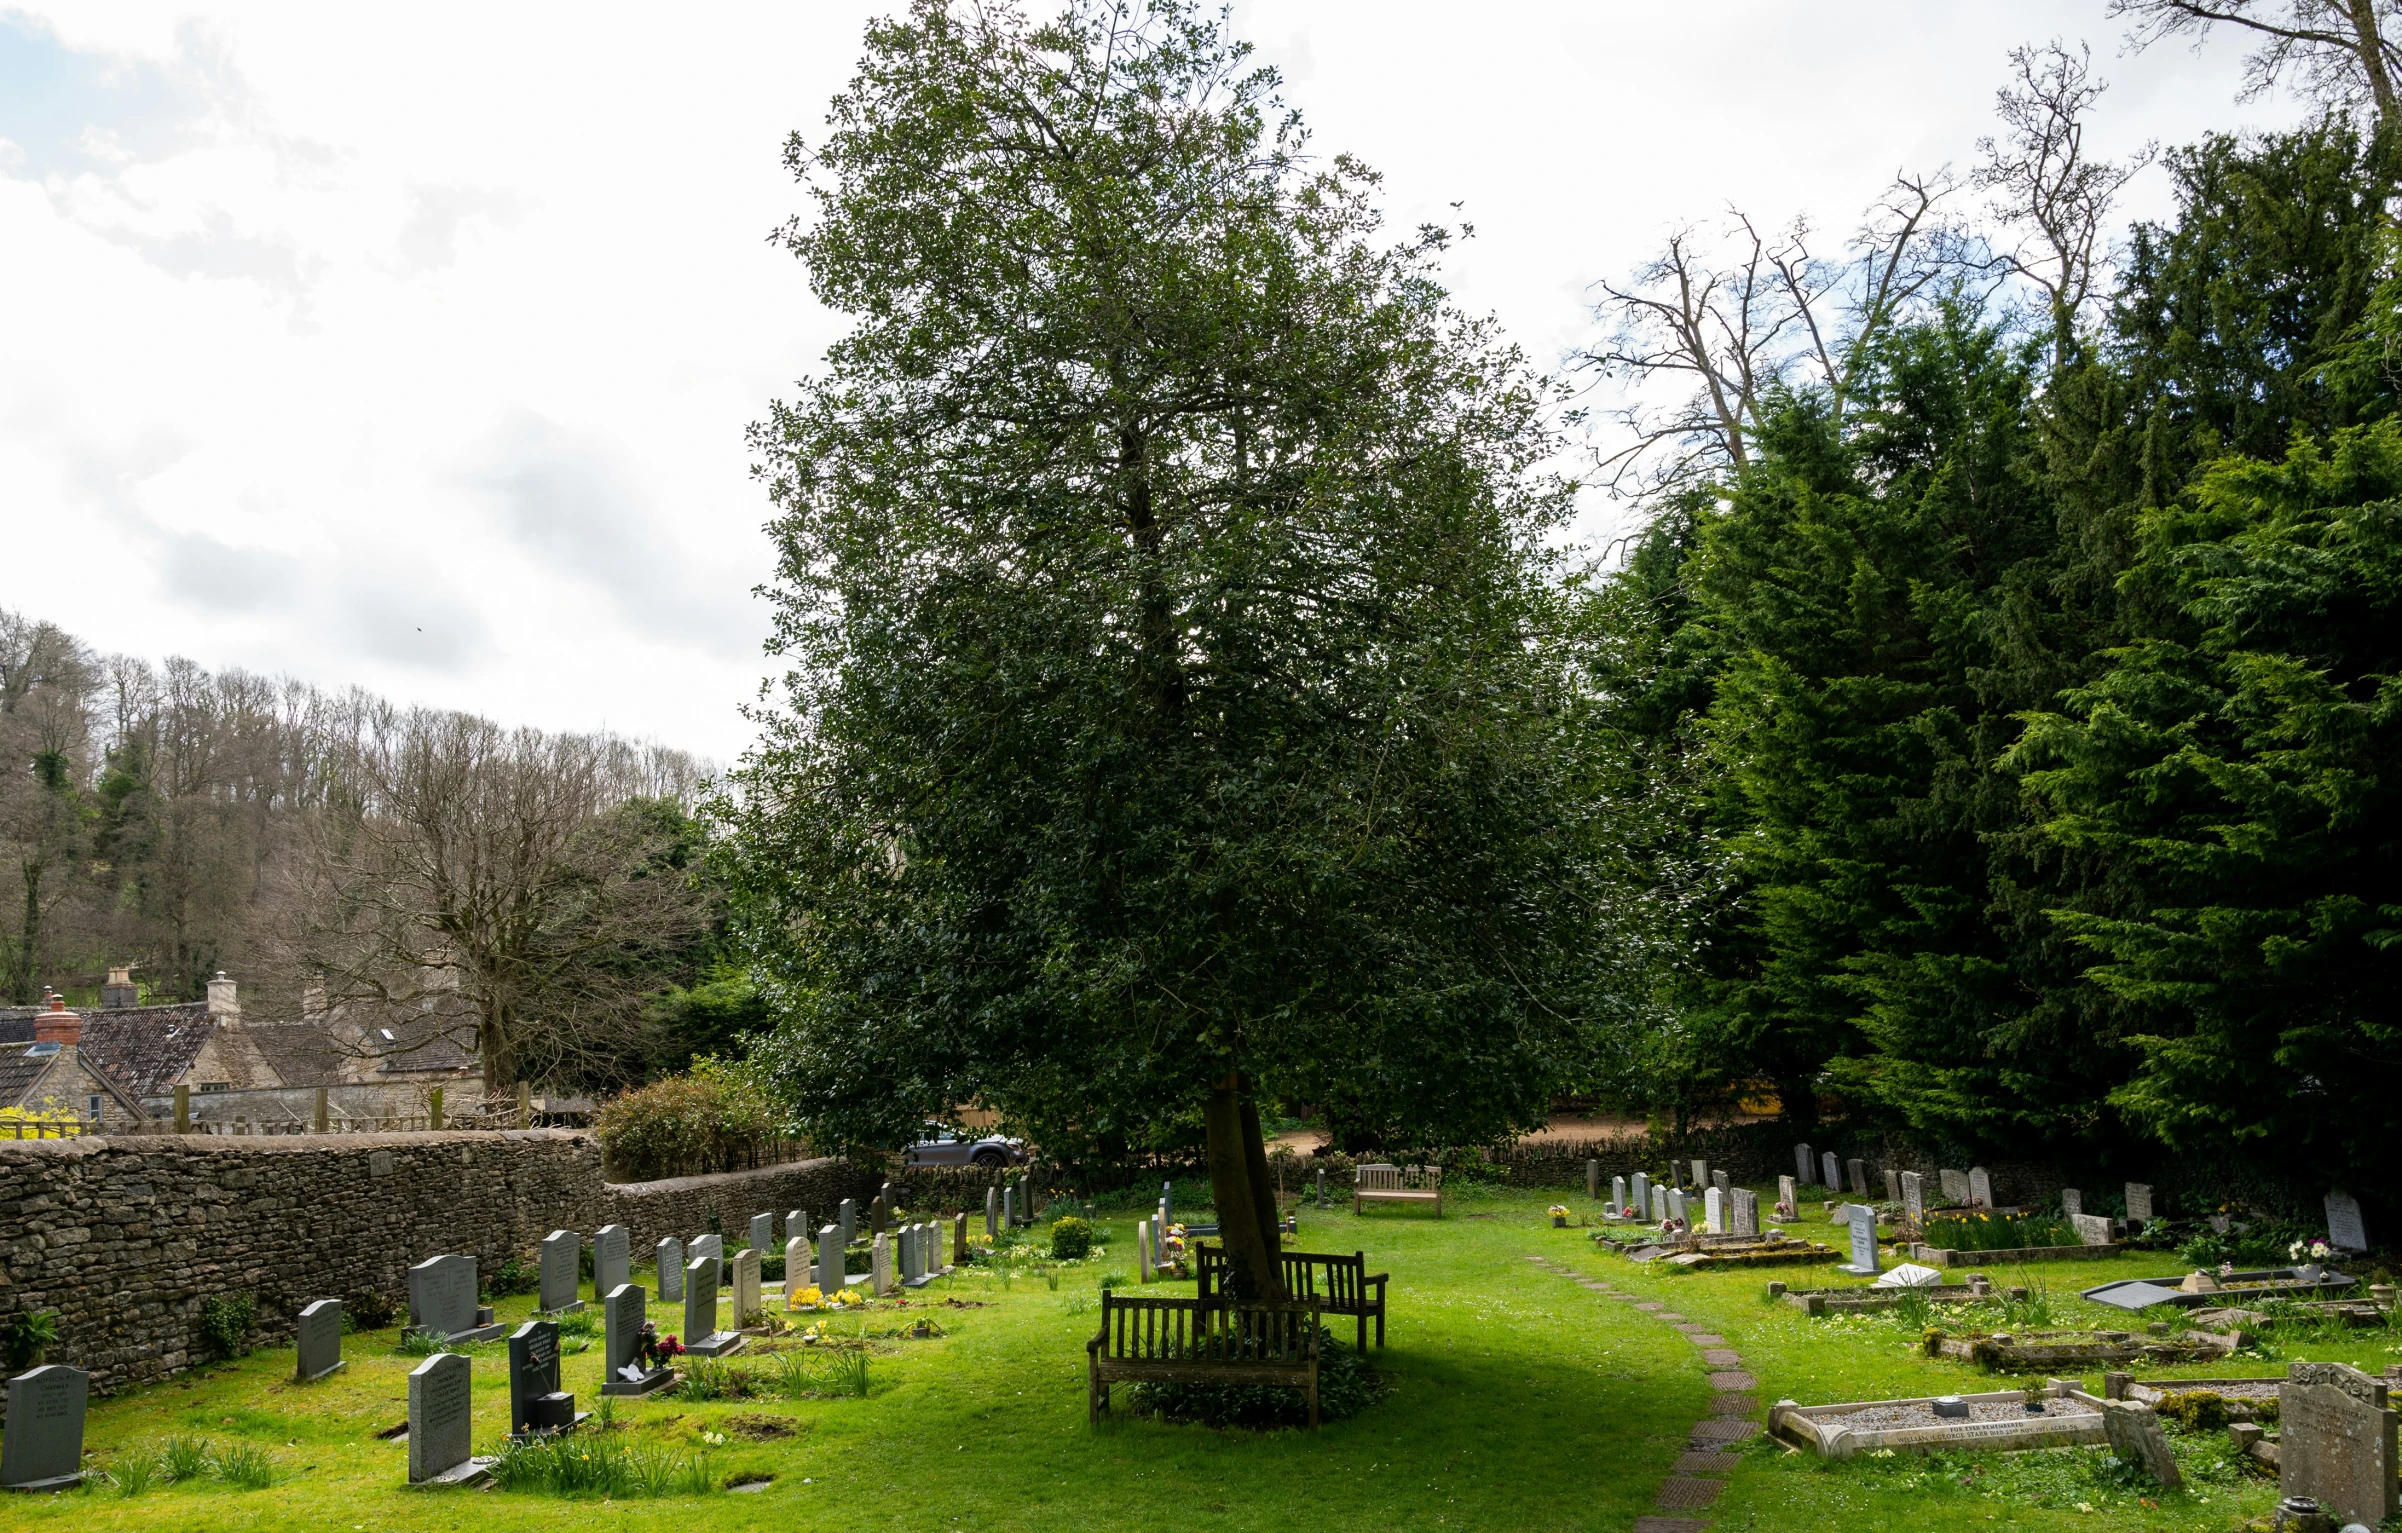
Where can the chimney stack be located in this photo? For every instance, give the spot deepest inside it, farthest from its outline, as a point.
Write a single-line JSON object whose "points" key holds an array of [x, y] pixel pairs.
{"points": [[222, 1004], [120, 991], [57, 1025]]}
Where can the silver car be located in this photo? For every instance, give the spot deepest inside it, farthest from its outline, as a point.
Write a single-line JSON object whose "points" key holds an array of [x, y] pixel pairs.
{"points": [[945, 1146]]}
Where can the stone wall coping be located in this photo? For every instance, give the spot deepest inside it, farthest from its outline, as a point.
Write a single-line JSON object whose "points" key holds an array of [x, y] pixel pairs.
{"points": [[283, 1144], [713, 1178]]}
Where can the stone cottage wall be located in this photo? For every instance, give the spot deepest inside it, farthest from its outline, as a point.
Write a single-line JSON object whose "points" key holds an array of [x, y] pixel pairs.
{"points": [[127, 1237]]}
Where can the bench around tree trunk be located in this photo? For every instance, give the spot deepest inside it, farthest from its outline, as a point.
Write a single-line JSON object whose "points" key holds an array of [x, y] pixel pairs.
{"points": [[1342, 1285], [1202, 1341]]}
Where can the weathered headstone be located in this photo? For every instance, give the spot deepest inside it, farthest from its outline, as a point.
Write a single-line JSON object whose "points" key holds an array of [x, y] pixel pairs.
{"points": [[878, 1212], [623, 1313], [905, 1255], [846, 1214], [797, 1223], [2346, 1230], [1720, 1180], [1009, 1207], [43, 1447], [1788, 1197], [2072, 1202], [746, 1286], [830, 1258], [1744, 1217], [763, 1232], [317, 1339], [1864, 1240], [1828, 1172], [959, 1240], [1955, 1187], [1676, 1206], [1592, 1178], [671, 1271], [2135, 1436], [441, 1420], [1659, 1205], [2092, 1229], [880, 1266], [562, 1264], [1142, 1250], [1701, 1174], [1980, 1188], [2338, 1441], [612, 1258], [1914, 1197], [714, 1248], [442, 1299], [1859, 1177], [1893, 1185], [701, 1334], [1713, 1206], [1618, 1196], [1642, 1197], [992, 1211], [2139, 1203], [796, 1266], [1805, 1166], [534, 1375]]}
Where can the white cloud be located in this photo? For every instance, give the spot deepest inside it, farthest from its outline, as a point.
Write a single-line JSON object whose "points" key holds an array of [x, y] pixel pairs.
{"points": [[420, 356]]}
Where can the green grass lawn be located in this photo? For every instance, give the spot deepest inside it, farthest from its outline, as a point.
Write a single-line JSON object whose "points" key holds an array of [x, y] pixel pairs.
{"points": [[1518, 1400]]}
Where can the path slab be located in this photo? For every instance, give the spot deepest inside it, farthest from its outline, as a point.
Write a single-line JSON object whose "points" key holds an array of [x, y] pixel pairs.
{"points": [[1671, 1525], [1707, 1339], [1734, 1405], [1720, 1357], [1715, 1461], [1681, 1493], [1724, 1431], [1732, 1380]]}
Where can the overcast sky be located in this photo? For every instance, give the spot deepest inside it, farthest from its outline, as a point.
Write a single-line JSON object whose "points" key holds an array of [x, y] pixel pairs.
{"points": [[413, 348]]}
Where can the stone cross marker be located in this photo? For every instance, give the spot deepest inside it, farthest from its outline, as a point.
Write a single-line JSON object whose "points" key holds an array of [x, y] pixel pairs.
{"points": [[1805, 1169], [612, 1258], [2092, 1229], [700, 1301], [442, 1295], [1893, 1185], [1914, 1196], [714, 1248], [746, 1285], [846, 1214], [1864, 1240], [2346, 1231], [317, 1338], [763, 1231], [829, 1258], [1713, 1214], [880, 1265], [533, 1371], [1701, 1173], [1980, 1188], [2136, 1438], [562, 1251], [671, 1271], [43, 1447], [1618, 1196], [1744, 1217], [796, 1266], [2338, 1441], [1955, 1186], [1859, 1176], [2072, 1202], [1788, 1198], [1830, 1174], [2139, 1203], [441, 1420]]}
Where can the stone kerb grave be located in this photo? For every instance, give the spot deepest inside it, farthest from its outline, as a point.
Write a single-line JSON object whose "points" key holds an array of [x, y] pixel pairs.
{"points": [[442, 1300], [626, 1327], [562, 1263], [43, 1447], [2337, 1441], [317, 1340], [1994, 1422], [442, 1423]]}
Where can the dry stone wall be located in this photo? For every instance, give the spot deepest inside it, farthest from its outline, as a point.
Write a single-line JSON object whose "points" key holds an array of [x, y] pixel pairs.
{"points": [[126, 1238]]}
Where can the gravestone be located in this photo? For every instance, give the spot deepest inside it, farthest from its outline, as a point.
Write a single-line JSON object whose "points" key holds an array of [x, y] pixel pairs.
{"points": [[2346, 1231], [796, 1223], [1701, 1174], [317, 1338], [714, 1248], [763, 1231], [1618, 1203], [2337, 1444], [441, 1420], [1914, 1197], [959, 1239], [701, 1334], [1864, 1241], [796, 1266], [1893, 1185], [1676, 1206], [2135, 1436], [623, 1314], [1642, 1197], [1980, 1188], [1592, 1178], [2072, 1202], [1720, 1180], [533, 1378], [992, 1208], [43, 1446], [746, 1287], [612, 1258], [1659, 1205], [1805, 1167], [562, 1253], [1009, 1207], [442, 1299], [878, 1211], [1142, 1250], [2092, 1229], [1322, 1187], [1744, 1217], [1788, 1198], [1713, 1211], [1859, 1177], [829, 1259], [1955, 1187], [905, 1255], [880, 1266], [846, 1214], [2139, 1203], [1829, 1174], [671, 1271]]}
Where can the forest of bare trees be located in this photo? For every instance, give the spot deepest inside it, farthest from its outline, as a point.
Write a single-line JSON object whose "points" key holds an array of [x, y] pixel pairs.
{"points": [[533, 893]]}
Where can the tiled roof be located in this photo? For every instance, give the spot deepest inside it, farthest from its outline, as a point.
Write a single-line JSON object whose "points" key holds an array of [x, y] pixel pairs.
{"points": [[146, 1049], [303, 1053], [18, 1072], [423, 1043]]}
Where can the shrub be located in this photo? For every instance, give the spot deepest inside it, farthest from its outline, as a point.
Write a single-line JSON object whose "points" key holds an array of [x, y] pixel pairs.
{"points": [[2195, 1410], [709, 1378], [225, 1324], [24, 1339], [1973, 1231], [421, 1341], [2262, 1243], [1071, 1239], [706, 1120], [370, 1309]]}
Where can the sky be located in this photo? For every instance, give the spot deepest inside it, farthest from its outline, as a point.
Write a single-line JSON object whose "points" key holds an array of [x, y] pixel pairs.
{"points": [[418, 354]]}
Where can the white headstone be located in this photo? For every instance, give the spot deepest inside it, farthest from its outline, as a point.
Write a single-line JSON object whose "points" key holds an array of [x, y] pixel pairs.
{"points": [[441, 1416], [317, 1339], [746, 1286], [1713, 1206], [43, 1446], [880, 1265], [1701, 1173], [1618, 1203], [612, 1258], [1142, 1249], [1676, 1206], [2072, 1202], [2346, 1230], [1864, 1240], [1980, 1188], [796, 1266], [1788, 1198], [2092, 1229], [1659, 1205], [1640, 1195]]}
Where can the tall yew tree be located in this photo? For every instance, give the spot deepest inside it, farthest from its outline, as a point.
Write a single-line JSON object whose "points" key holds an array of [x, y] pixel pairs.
{"points": [[1171, 719]]}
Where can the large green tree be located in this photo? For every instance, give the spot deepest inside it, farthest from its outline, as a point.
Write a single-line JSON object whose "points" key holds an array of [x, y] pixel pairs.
{"points": [[1172, 718]]}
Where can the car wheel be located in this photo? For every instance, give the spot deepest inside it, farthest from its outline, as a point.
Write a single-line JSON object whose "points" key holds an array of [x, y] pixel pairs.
{"points": [[989, 1159]]}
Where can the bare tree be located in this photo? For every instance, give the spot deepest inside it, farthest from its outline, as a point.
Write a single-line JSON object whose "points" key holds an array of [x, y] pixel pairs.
{"points": [[47, 680], [2048, 190], [2337, 49]]}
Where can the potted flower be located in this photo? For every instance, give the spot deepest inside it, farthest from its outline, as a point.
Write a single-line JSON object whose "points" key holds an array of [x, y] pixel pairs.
{"points": [[1559, 1216]]}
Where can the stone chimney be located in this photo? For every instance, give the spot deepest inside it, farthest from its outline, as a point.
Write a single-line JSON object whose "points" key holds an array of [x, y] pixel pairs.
{"points": [[120, 991], [57, 1025], [222, 1004]]}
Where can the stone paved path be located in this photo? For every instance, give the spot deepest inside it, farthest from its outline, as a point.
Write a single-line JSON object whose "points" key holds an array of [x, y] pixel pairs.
{"points": [[1698, 1477]]}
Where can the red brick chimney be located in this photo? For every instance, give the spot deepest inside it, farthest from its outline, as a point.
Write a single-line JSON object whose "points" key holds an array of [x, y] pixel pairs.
{"points": [[57, 1025]]}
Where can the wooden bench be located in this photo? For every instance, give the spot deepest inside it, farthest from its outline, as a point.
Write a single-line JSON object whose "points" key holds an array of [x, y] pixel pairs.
{"points": [[1201, 1341], [1341, 1285], [1395, 1184]]}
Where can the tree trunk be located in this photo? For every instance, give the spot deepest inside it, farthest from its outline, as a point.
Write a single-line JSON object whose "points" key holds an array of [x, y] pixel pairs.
{"points": [[1238, 1187]]}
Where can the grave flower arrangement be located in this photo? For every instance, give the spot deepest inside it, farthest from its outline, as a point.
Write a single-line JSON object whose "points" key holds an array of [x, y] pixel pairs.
{"points": [[808, 1298], [1169, 1261], [2316, 1250], [1559, 1216]]}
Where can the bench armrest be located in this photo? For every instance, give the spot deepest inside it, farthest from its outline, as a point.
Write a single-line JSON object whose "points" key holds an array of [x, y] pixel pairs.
{"points": [[1380, 1279]]}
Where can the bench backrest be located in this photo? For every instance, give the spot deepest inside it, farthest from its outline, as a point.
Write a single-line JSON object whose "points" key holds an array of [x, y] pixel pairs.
{"points": [[1375, 1178], [1207, 1330], [1336, 1280]]}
